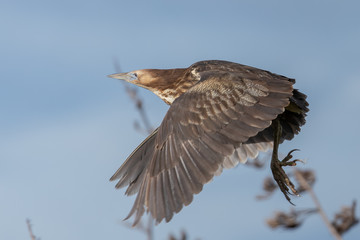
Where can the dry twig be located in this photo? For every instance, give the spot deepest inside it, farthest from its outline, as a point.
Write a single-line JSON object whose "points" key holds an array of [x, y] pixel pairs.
{"points": [[32, 236], [304, 184]]}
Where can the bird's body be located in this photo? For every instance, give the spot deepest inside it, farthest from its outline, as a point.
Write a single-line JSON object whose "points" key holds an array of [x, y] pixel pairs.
{"points": [[221, 114]]}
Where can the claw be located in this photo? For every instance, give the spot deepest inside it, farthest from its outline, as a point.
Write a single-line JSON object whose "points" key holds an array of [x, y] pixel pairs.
{"points": [[286, 162], [289, 156], [278, 172], [281, 178]]}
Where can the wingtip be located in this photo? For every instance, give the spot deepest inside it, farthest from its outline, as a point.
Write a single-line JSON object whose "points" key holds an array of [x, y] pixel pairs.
{"points": [[113, 178]]}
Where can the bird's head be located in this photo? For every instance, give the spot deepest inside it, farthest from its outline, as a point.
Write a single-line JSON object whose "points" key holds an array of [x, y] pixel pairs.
{"points": [[152, 79], [142, 78], [162, 82]]}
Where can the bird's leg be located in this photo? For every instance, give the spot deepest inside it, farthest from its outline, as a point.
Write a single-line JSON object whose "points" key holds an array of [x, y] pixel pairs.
{"points": [[278, 172]]}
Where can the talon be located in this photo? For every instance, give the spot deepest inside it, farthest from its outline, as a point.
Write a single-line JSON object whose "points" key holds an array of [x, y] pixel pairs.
{"points": [[289, 156], [291, 163], [278, 172]]}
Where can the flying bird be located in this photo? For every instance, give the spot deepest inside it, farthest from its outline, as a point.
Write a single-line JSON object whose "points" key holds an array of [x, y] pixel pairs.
{"points": [[221, 114]]}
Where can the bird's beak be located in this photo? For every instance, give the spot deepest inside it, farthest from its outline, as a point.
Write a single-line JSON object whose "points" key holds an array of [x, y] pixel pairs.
{"points": [[122, 76]]}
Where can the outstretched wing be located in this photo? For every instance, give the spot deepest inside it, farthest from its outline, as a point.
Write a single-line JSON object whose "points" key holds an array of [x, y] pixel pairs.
{"points": [[198, 136]]}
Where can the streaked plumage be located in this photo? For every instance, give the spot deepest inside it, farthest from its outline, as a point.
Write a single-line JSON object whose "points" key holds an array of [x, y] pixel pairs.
{"points": [[220, 114]]}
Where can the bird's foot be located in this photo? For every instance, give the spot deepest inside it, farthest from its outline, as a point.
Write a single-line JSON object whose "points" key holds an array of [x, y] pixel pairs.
{"points": [[281, 177]]}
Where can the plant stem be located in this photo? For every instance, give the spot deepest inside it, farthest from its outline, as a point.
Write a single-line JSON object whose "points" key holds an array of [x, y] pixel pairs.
{"points": [[321, 211]]}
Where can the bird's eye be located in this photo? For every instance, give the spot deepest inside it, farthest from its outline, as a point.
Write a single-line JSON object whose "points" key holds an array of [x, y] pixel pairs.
{"points": [[133, 76]]}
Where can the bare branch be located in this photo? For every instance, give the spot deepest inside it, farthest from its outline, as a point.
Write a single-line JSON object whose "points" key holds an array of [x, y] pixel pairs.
{"points": [[32, 236], [304, 184]]}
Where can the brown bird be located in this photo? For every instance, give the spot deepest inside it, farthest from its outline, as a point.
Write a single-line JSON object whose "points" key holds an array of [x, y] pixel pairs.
{"points": [[221, 113]]}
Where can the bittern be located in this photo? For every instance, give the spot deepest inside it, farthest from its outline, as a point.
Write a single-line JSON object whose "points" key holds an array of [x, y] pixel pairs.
{"points": [[221, 113]]}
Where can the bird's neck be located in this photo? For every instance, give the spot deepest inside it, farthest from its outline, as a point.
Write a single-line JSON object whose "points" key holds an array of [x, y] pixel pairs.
{"points": [[169, 84]]}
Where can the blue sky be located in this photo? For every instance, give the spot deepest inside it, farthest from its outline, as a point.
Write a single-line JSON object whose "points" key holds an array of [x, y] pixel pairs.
{"points": [[65, 128]]}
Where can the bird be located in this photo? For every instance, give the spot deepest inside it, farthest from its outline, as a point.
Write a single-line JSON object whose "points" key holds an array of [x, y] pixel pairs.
{"points": [[221, 114]]}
